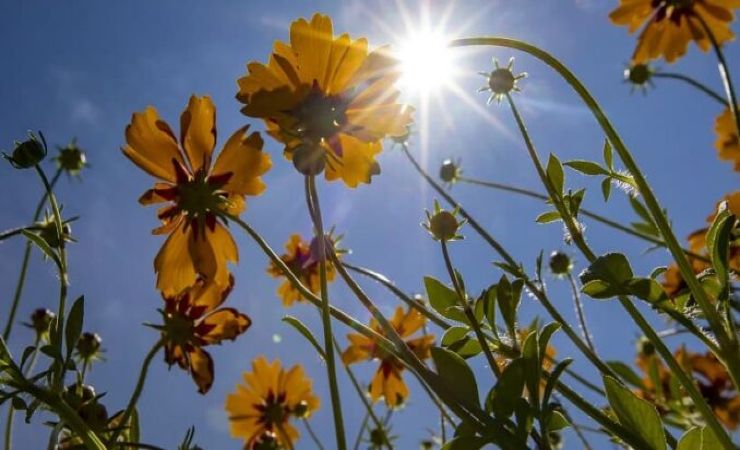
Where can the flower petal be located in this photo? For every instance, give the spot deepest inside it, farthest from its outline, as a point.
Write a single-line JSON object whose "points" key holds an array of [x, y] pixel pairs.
{"points": [[225, 323], [201, 369], [356, 162], [211, 252], [198, 131], [242, 156], [151, 145], [174, 266]]}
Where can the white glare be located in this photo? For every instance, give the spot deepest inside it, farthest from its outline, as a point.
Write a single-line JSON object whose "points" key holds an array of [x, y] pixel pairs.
{"points": [[426, 62]]}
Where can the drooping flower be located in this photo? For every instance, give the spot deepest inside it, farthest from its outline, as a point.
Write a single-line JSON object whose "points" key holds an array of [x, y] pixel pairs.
{"points": [[193, 319], [261, 408], [388, 381], [303, 260], [728, 140], [328, 100], [669, 25], [198, 245]]}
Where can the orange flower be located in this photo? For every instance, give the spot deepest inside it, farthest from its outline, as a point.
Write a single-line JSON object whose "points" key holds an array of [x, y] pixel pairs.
{"points": [[328, 100], [196, 191], [388, 382], [260, 410], [669, 25], [301, 257], [193, 320], [728, 142]]}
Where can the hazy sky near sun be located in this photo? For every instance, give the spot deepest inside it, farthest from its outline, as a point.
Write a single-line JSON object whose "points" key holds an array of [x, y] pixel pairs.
{"points": [[79, 69]]}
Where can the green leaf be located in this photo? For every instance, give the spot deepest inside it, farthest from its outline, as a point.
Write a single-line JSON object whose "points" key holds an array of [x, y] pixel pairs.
{"points": [[134, 428], [641, 211], [599, 290], [544, 338], [490, 305], [718, 242], [19, 404], [73, 328], [691, 440], [635, 414], [457, 375], [43, 246], [466, 443], [647, 289], [612, 268], [606, 188], [626, 373], [457, 339], [608, 159], [52, 352], [553, 379], [508, 301], [532, 367], [555, 173], [454, 334], [508, 390], [658, 271], [556, 421], [587, 167], [303, 329], [547, 217], [443, 299]]}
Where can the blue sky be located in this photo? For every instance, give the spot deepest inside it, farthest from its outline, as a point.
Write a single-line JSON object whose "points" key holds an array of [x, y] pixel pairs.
{"points": [[81, 69]]}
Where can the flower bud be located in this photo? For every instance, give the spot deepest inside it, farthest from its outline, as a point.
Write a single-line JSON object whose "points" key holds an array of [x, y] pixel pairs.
{"points": [[268, 441], [88, 346], [41, 320], [638, 74], [501, 81], [450, 171], [560, 263], [28, 153], [71, 159], [645, 348], [94, 414], [48, 232], [301, 410]]}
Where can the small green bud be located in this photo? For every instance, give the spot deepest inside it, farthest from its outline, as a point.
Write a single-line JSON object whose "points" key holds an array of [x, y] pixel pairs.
{"points": [[560, 263], [308, 159], [48, 232], [28, 153], [301, 410], [71, 159], [444, 226], [88, 346], [638, 74], [94, 414], [41, 320], [501, 81], [268, 441], [645, 347], [450, 171]]}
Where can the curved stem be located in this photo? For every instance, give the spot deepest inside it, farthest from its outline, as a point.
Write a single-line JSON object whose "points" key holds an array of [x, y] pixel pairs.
{"points": [[336, 403], [579, 311], [137, 390], [313, 435], [24, 262], [692, 82], [462, 298], [729, 344], [635, 315], [585, 212]]}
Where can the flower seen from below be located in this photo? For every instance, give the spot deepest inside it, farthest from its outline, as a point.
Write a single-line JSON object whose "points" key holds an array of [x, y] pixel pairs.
{"points": [[260, 410], [728, 140], [196, 190], [388, 381], [328, 99], [501, 81], [669, 25], [194, 319], [303, 260], [71, 159]]}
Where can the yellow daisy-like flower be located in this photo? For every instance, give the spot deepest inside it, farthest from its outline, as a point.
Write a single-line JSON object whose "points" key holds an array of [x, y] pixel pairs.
{"points": [[260, 410], [388, 382], [669, 25], [193, 320], [728, 141], [196, 190], [329, 100], [301, 257]]}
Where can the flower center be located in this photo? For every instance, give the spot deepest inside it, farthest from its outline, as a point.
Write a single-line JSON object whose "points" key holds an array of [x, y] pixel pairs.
{"points": [[178, 329], [199, 196], [274, 410], [320, 116]]}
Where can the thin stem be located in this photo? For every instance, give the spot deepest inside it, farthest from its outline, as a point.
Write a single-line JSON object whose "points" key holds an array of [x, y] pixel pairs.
{"points": [[585, 212], [313, 435], [729, 344], [11, 409], [336, 403], [724, 71], [626, 303], [137, 390], [360, 393], [579, 311], [576, 429], [363, 426], [462, 298], [692, 82], [24, 262]]}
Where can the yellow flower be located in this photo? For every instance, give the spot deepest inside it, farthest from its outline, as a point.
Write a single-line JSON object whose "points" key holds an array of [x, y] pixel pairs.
{"points": [[196, 191], [261, 408], [669, 25], [328, 100], [300, 257], [728, 142], [193, 320], [388, 382]]}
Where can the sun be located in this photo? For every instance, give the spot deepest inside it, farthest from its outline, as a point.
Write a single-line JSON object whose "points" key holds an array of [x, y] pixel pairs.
{"points": [[426, 61]]}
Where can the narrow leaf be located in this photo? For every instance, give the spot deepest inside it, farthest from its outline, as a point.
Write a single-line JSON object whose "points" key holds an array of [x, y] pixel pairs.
{"points": [[555, 173], [43, 246], [73, 328], [547, 217], [303, 329], [587, 167]]}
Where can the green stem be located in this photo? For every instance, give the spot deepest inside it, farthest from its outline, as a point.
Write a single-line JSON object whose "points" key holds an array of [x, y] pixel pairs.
{"points": [[363, 425], [24, 263], [729, 344], [313, 435], [585, 212], [462, 298], [336, 403], [11, 409], [137, 390], [692, 82], [626, 303], [579, 311]]}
